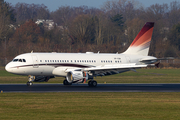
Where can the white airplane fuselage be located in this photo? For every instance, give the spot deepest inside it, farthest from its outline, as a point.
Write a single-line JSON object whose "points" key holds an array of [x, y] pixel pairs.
{"points": [[44, 63]]}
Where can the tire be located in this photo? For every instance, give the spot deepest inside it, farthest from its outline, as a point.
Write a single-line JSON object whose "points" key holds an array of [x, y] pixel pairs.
{"points": [[65, 82], [93, 83], [89, 83], [29, 83]]}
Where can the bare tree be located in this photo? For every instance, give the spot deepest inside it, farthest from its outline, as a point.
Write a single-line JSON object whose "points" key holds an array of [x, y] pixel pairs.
{"points": [[26, 12], [80, 29]]}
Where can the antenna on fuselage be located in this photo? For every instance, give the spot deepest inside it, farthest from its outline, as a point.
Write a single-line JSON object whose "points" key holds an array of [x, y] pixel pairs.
{"points": [[32, 51]]}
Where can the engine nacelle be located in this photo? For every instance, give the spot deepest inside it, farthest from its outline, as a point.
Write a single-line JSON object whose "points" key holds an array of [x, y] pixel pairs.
{"points": [[42, 78], [76, 76]]}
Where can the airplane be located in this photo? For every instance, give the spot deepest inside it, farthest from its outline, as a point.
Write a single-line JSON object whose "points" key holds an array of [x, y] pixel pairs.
{"points": [[81, 67]]}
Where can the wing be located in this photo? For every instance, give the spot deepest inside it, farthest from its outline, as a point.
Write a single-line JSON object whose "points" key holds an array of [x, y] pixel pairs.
{"points": [[113, 69], [109, 69]]}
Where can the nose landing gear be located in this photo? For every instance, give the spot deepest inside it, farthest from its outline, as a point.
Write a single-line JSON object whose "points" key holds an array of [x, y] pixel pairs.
{"points": [[30, 81]]}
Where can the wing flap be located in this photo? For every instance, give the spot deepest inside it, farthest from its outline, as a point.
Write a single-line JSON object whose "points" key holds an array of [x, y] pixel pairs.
{"points": [[115, 67]]}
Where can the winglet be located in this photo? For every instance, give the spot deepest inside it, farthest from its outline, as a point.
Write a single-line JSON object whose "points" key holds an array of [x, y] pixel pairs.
{"points": [[141, 44]]}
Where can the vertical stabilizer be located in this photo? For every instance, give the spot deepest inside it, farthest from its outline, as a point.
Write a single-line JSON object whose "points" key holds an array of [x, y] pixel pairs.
{"points": [[141, 43]]}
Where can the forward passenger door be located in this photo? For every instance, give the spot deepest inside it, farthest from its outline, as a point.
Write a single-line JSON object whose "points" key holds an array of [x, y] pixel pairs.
{"points": [[35, 61]]}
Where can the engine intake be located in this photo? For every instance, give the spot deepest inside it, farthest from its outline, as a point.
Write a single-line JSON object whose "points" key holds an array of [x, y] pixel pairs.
{"points": [[76, 76]]}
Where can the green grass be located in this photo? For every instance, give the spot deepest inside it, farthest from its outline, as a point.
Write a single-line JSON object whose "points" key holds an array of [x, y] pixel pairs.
{"points": [[141, 76], [95, 106], [92, 106]]}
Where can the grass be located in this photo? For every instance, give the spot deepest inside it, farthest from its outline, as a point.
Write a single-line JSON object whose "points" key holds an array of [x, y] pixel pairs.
{"points": [[141, 76], [95, 106], [91, 106]]}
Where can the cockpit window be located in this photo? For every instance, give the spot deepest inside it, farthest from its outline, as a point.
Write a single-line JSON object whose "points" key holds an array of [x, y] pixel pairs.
{"points": [[15, 60], [19, 60]]}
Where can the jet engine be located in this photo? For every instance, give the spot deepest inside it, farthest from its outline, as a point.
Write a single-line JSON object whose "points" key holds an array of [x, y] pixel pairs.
{"points": [[77, 76]]}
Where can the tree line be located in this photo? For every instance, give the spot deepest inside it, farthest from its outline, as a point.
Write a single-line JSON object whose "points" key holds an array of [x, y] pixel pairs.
{"points": [[111, 28]]}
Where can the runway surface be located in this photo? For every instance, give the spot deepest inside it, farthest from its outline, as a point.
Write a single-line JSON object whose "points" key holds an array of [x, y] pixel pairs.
{"points": [[86, 88]]}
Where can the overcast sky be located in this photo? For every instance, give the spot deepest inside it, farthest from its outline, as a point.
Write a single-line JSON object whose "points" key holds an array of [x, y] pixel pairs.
{"points": [[54, 4]]}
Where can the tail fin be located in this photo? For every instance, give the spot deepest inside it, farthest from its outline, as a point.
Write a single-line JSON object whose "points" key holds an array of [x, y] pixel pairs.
{"points": [[141, 44]]}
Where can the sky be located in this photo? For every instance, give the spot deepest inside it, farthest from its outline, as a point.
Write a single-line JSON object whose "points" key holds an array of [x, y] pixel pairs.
{"points": [[55, 4]]}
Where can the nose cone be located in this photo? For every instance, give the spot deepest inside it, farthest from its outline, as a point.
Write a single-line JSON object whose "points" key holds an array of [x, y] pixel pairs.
{"points": [[7, 68]]}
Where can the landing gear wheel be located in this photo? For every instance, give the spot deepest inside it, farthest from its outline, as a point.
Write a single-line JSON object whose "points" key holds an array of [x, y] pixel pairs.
{"points": [[65, 82], [89, 83], [92, 83], [29, 83]]}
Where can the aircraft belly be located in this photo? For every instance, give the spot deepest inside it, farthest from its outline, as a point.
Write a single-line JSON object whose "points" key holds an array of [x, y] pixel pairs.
{"points": [[47, 71]]}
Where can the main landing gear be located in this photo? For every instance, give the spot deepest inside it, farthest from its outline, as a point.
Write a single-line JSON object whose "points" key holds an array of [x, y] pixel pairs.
{"points": [[65, 82], [92, 83]]}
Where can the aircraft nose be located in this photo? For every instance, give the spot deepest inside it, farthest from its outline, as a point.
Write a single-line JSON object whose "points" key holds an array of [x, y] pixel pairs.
{"points": [[7, 68]]}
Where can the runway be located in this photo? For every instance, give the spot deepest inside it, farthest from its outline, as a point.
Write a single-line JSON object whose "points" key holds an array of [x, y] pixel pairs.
{"points": [[86, 88]]}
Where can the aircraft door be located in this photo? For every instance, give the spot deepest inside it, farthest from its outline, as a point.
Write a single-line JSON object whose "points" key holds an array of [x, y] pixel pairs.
{"points": [[35, 61]]}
